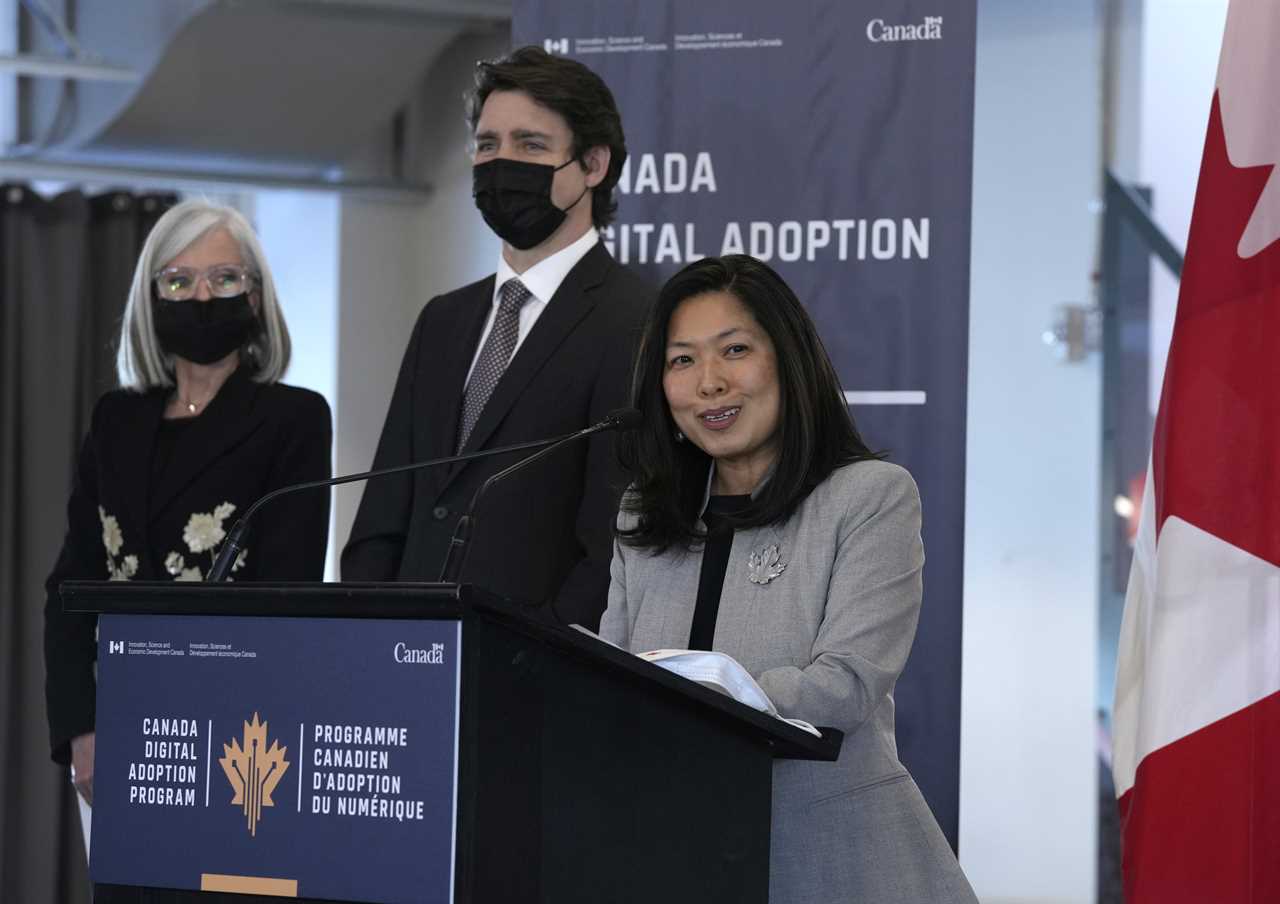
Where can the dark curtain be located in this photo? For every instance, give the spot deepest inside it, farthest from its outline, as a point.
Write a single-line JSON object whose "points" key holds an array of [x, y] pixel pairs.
{"points": [[65, 268]]}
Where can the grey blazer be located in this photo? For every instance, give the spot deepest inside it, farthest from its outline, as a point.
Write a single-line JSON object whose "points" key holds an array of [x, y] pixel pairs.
{"points": [[826, 639]]}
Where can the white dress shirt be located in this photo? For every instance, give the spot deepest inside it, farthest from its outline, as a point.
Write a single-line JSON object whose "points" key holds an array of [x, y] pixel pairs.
{"points": [[542, 280]]}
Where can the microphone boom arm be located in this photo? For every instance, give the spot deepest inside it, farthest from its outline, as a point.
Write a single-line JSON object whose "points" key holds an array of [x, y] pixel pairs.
{"points": [[235, 538], [624, 418]]}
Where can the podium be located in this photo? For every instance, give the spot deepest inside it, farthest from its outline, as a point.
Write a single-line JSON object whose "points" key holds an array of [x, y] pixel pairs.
{"points": [[411, 742]]}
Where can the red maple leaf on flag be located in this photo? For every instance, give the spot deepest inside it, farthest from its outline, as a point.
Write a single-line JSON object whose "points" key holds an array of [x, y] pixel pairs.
{"points": [[1218, 429]]}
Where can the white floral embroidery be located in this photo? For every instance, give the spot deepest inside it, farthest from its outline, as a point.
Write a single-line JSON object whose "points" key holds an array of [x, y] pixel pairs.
{"points": [[204, 533], [112, 538], [128, 568]]}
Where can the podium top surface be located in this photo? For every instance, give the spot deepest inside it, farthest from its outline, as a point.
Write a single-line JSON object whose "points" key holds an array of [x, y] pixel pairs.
{"points": [[288, 600], [430, 601]]}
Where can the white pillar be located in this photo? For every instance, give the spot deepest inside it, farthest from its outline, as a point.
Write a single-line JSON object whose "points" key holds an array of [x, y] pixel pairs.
{"points": [[1028, 790]]}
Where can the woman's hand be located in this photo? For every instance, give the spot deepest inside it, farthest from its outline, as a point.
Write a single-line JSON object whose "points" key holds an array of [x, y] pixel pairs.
{"points": [[82, 765]]}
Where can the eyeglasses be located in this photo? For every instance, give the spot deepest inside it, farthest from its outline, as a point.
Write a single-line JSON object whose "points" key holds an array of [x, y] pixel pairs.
{"points": [[224, 281]]}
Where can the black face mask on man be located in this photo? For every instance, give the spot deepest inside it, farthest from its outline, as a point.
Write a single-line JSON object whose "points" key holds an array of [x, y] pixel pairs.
{"points": [[204, 331], [514, 197]]}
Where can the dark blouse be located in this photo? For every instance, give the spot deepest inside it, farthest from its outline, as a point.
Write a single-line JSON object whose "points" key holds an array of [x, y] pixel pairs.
{"points": [[715, 559], [168, 435]]}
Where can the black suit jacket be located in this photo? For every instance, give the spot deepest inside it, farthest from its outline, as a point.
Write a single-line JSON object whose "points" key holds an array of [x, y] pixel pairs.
{"points": [[544, 536], [251, 439]]}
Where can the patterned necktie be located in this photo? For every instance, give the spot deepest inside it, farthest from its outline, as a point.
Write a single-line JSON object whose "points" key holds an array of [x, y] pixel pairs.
{"points": [[494, 356]]}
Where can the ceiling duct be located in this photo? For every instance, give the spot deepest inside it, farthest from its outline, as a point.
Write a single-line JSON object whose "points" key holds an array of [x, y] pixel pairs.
{"points": [[279, 88]]}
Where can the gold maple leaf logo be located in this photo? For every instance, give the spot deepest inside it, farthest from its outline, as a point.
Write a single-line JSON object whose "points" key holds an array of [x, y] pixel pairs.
{"points": [[253, 771]]}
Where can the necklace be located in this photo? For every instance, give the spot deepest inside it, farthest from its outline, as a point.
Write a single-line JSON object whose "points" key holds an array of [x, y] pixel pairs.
{"points": [[191, 406]]}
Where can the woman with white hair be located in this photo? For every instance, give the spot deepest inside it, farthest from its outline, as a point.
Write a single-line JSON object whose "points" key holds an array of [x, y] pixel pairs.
{"points": [[199, 428]]}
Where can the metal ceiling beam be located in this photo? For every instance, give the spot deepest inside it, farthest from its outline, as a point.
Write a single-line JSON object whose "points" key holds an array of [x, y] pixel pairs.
{"points": [[33, 168], [442, 11], [61, 67], [1134, 208]]}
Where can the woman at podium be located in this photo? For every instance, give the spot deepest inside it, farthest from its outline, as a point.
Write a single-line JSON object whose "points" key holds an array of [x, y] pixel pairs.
{"points": [[760, 525], [199, 428]]}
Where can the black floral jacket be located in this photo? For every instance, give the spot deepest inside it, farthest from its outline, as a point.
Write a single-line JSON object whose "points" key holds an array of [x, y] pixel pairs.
{"points": [[251, 439]]}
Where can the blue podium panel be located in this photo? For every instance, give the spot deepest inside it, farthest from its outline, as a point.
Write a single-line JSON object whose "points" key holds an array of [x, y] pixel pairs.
{"points": [[313, 757]]}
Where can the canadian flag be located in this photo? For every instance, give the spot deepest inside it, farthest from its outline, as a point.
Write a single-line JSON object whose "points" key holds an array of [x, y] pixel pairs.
{"points": [[1197, 713]]}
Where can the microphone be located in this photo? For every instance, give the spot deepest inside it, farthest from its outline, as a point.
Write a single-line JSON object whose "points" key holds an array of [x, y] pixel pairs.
{"points": [[619, 419], [235, 541]]}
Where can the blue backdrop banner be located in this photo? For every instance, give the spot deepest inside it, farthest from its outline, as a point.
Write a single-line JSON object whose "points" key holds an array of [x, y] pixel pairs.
{"points": [[308, 756], [833, 139]]}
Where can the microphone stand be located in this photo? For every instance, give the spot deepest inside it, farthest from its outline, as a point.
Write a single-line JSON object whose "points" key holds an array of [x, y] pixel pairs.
{"points": [[624, 418], [236, 538]]}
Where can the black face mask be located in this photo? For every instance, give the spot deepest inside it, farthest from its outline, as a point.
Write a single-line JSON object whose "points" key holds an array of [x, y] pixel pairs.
{"points": [[514, 198], [204, 331]]}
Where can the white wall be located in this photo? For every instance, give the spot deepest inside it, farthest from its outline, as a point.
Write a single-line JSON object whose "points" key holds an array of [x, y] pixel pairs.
{"points": [[1123, 75], [299, 233], [395, 256], [456, 246], [1028, 778], [380, 292], [8, 81]]}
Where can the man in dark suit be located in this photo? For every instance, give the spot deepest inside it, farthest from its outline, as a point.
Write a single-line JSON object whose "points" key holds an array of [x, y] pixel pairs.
{"points": [[541, 348]]}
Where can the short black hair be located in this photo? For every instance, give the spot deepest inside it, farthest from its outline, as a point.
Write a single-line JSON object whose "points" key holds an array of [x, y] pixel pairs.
{"points": [[816, 433], [576, 93]]}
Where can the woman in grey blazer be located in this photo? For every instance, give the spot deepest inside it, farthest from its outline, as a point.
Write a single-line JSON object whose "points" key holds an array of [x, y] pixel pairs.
{"points": [[760, 525]]}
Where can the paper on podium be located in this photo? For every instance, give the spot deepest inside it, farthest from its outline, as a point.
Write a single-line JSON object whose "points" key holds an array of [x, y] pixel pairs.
{"points": [[717, 671], [722, 673]]}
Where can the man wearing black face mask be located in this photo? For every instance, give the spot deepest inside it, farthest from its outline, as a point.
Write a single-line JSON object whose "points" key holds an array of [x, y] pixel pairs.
{"points": [[541, 348]]}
